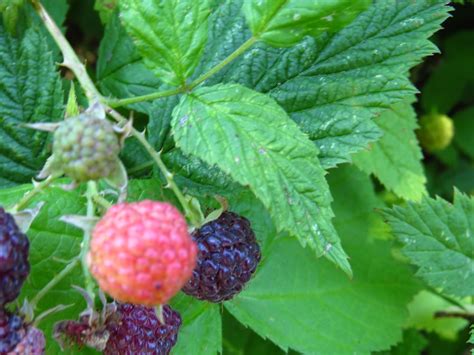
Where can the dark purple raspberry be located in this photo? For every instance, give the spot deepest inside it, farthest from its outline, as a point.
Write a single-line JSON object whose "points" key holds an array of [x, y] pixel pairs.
{"points": [[139, 331], [228, 255], [32, 343], [11, 331], [14, 266]]}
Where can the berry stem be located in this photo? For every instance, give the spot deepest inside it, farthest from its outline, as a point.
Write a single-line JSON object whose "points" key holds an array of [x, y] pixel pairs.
{"points": [[54, 281], [89, 282], [33, 192], [193, 217], [70, 58]]}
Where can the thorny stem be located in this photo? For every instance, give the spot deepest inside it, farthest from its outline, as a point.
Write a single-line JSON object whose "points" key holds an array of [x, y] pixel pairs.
{"points": [[156, 156], [70, 59], [64, 272], [33, 192], [90, 193]]}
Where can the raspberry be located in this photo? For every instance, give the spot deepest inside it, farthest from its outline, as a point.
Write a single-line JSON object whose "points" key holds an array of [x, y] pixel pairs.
{"points": [[436, 132], [11, 331], [142, 253], [86, 148], [14, 266], [139, 331], [228, 255], [32, 343]]}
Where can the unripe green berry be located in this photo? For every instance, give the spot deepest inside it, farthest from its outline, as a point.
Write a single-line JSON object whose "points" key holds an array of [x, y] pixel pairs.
{"points": [[86, 148], [436, 132]]}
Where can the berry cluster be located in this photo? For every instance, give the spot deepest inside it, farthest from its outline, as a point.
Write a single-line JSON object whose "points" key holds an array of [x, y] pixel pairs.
{"points": [[16, 336]]}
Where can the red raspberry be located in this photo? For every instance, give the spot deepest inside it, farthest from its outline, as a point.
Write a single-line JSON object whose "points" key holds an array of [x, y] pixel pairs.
{"points": [[142, 252]]}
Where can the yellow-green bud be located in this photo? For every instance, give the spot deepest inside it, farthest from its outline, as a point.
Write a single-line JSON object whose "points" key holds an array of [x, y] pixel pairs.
{"points": [[436, 132]]}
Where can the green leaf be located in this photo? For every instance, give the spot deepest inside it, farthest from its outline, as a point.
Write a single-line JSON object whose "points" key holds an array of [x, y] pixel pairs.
{"points": [[52, 243], [453, 77], [464, 130], [106, 9], [305, 304], [201, 332], [413, 344], [30, 91], [438, 237], [396, 158], [169, 34], [249, 137], [334, 85], [120, 69], [283, 23]]}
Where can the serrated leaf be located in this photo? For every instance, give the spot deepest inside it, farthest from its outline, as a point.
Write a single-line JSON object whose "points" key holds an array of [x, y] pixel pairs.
{"points": [[169, 34], [248, 136], [283, 23], [413, 344], [438, 237], [106, 9], [334, 85], [396, 158], [201, 332], [52, 242], [304, 304], [30, 91], [120, 69]]}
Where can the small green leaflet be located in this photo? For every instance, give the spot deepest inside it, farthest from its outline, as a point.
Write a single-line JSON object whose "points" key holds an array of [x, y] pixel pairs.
{"points": [[439, 238], [283, 23], [252, 139], [169, 34], [396, 158], [30, 91]]}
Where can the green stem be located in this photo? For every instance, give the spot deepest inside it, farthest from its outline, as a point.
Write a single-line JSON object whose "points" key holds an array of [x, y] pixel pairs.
{"points": [[149, 97], [157, 95], [33, 192], [70, 59], [89, 282], [239, 51], [102, 202], [64, 272]]}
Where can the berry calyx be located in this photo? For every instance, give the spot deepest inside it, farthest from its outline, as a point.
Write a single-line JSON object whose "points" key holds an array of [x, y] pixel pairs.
{"points": [[139, 331], [86, 148], [142, 252], [436, 132], [14, 265], [228, 255]]}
